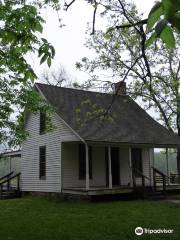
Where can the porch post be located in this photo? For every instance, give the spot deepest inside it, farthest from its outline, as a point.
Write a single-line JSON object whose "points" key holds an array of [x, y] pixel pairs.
{"points": [[167, 165], [151, 165], [10, 165], [130, 167], [87, 167], [110, 170]]}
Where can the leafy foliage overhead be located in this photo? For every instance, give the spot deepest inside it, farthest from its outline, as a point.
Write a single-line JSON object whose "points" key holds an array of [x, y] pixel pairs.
{"points": [[163, 19], [20, 34], [152, 73], [21, 29]]}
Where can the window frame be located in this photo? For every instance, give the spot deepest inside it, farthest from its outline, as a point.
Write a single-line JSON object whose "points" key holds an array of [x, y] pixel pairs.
{"points": [[42, 162]]}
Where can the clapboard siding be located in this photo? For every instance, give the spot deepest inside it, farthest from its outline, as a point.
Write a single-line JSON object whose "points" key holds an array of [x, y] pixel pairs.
{"points": [[146, 164], [30, 155], [70, 166]]}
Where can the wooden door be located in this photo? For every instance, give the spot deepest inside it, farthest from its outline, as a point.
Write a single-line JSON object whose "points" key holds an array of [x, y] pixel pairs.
{"points": [[136, 158]]}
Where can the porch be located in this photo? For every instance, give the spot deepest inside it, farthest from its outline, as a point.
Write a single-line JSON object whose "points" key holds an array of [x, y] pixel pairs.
{"points": [[98, 169]]}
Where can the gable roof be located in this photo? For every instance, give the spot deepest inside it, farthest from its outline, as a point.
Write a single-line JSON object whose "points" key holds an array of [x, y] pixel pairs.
{"points": [[127, 122]]}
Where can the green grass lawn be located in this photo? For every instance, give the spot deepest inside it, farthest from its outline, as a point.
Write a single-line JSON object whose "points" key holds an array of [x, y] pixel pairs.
{"points": [[35, 218]]}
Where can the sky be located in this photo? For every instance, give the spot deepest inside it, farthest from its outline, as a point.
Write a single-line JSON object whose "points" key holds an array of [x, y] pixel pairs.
{"points": [[69, 41]]}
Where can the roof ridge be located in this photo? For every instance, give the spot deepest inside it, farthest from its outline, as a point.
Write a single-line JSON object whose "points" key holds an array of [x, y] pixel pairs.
{"points": [[82, 90]]}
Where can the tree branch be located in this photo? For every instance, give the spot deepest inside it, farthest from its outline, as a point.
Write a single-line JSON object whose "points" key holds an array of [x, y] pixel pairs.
{"points": [[67, 5], [94, 17], [116, 93], [142, 22]]}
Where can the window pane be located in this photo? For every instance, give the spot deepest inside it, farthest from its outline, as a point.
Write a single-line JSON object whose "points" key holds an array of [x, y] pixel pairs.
{"points": [[42, 162]]}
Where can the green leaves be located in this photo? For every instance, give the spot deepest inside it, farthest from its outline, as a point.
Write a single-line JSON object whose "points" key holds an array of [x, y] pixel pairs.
{"points": [[163, 19], [168, 37], [38, 27], [176, 21], [20, 36], [151, 39], [154, 15], [47, 52], [49, 62], [169, 8], [160, 26], [44, 58], [30, 74], [165, 33]]}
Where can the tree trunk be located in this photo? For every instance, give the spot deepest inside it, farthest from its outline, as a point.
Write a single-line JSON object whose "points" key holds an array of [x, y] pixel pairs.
{"points": [[178, 163]]}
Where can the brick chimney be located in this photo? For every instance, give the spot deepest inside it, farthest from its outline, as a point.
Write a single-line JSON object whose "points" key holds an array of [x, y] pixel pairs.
{"points": [[120, 88]]}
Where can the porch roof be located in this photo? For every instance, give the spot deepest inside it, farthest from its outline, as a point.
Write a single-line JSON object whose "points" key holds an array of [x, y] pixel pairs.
{"points": [[127, 122]]}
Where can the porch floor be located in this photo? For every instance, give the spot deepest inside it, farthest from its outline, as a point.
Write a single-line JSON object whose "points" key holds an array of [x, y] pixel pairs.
{"points": [[98, 190], [115, 190], [170, 187]]}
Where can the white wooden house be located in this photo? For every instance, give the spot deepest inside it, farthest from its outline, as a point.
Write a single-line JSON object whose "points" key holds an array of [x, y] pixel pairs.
{"points": [[88, 154]]}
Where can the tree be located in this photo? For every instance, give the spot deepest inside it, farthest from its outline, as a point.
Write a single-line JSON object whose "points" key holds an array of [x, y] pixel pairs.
{"points": [[58, 77], [61, 78], [153, 78], [21, 25], [20, 34], [163, 19]]}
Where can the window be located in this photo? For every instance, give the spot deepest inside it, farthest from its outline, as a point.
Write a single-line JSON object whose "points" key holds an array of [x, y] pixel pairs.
{"points": [[42, 162], [42, 122], [136, 156], [82, 162]]}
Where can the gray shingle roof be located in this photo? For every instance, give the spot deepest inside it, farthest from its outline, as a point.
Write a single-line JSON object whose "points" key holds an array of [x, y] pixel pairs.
{"points": [[127, 123]]}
